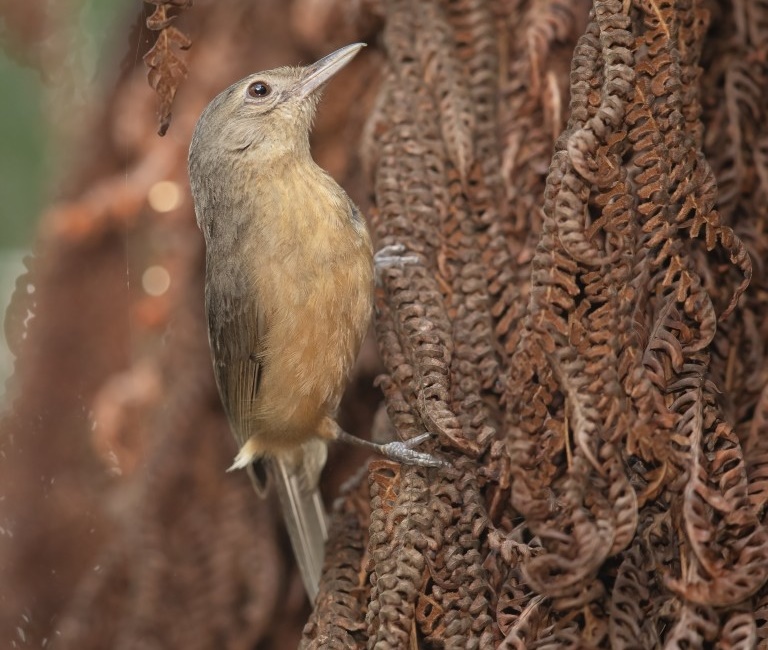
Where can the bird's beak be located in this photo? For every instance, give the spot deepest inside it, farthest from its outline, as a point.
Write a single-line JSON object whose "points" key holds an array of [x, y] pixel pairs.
{"points": [[318, 73]]}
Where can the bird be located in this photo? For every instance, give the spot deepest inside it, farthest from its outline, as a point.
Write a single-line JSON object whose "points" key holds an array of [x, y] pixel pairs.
{"points": [[289, 282]]}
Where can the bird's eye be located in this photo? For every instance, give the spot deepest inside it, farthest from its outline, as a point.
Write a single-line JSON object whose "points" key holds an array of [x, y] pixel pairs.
{"points": [[259, 89]]}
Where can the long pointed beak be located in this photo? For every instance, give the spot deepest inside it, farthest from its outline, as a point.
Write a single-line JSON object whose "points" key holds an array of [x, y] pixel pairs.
{"points": [[318, 73]]}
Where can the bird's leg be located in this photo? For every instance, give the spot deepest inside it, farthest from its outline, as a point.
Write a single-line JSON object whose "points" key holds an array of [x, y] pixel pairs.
{"points": [[401, 452], [391, 255]]}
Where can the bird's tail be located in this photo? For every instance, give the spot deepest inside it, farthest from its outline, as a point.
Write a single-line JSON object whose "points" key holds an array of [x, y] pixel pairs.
{"points": [[296, 479]]}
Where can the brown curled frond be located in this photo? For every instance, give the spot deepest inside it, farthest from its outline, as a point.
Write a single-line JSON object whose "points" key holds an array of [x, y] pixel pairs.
{"points": [[167, 67], [694, 628]]}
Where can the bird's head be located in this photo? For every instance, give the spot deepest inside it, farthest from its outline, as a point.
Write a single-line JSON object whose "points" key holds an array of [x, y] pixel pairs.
{"points": [[265, 116]]}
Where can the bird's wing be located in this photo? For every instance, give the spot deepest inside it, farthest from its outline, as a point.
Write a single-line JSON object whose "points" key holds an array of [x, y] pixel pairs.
{"points": [[236, 330], [237, 327]]}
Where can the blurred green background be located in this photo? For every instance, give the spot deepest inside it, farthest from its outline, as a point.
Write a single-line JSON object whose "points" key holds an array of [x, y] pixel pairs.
{"points": [[33, 151], [23, 153]]}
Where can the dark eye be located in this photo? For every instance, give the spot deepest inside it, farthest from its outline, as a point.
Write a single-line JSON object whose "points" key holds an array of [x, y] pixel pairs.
{"points": [[259, 89]]}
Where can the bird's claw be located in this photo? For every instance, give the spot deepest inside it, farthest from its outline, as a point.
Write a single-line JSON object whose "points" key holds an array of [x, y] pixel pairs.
{"points": [[390, 256], [403, 452]]}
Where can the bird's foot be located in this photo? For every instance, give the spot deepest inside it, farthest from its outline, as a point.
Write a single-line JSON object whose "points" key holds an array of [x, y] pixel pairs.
{"points": [[390, 256], [399, 451], [404, 452]]}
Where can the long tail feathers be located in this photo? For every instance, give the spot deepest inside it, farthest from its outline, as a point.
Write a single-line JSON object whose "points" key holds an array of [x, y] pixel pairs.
{"points": [[296, 480]]}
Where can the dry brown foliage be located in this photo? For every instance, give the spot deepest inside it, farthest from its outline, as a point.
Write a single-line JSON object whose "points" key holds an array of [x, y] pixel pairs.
{"points": [[586, 189], [167, 69]]}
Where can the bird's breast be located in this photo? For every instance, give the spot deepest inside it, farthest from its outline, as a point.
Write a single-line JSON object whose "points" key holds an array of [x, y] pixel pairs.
{"points": [[312, 269]]}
